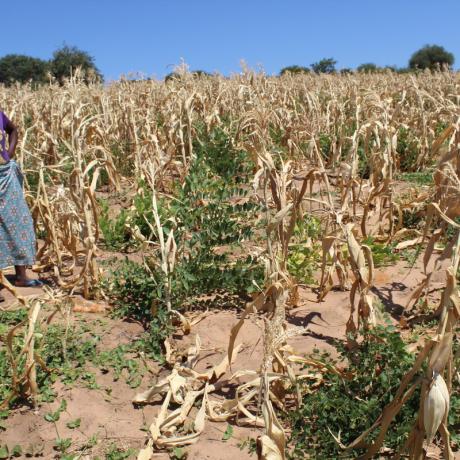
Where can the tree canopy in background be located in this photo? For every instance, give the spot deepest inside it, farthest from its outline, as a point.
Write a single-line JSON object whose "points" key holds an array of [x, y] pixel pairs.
{"points": [[294, 69], [326, 65], [21, 68], [195, 73], [67, 59], [431, 57], [368, 67]]}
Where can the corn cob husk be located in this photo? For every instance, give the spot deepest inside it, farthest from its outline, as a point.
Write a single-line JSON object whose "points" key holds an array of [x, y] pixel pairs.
{"points": [[436, 406]]}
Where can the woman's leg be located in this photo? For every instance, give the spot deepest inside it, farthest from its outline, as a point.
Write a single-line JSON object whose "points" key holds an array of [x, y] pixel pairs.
{"points": [[21, 275], [22, 280]]}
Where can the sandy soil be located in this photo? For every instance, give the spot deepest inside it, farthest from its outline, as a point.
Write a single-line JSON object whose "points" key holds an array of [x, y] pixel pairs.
{"points": [[111, 416]]}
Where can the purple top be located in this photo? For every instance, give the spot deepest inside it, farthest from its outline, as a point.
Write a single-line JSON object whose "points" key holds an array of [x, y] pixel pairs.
{"points": [[3, 123]]}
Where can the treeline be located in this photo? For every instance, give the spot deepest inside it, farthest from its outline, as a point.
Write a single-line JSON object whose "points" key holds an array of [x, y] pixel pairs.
{"points": [[433, 57], [65, 61], [21, 68]]}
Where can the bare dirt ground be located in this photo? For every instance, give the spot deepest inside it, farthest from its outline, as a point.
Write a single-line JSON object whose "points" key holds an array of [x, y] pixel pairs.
{"points": [[107, 414]]}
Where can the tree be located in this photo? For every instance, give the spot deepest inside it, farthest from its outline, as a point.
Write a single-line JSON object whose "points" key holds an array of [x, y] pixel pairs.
{"points": [[368, 67], [197, 74], [200, 73], [432, 57], [21, 68], [324, 66], [294, 69], [172, 76], [68, 58]]}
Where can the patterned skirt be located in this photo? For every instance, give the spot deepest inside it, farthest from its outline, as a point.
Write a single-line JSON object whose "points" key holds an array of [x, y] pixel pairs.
{"points": [[17, 236]]}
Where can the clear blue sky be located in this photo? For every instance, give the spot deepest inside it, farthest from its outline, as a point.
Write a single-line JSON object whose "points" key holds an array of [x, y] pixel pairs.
{"points": [[150, 36]]}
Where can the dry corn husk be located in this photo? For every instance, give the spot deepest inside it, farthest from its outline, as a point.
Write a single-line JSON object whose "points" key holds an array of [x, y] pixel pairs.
{"points": [[436, 407], [267, 449]]}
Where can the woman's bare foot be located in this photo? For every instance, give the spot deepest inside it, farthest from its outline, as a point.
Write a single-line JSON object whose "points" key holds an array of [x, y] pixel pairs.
{"points": [[28, 282], [22, 280]]}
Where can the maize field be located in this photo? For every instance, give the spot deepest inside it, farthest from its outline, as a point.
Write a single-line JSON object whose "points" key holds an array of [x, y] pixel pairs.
{"points": [[244, 267]]}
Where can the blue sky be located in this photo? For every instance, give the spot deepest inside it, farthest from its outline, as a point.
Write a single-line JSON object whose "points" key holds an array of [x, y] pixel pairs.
{"points": [[214, 35]]}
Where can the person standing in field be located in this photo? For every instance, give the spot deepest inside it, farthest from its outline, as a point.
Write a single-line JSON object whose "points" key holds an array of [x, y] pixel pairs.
{"points": [[17, 236]]}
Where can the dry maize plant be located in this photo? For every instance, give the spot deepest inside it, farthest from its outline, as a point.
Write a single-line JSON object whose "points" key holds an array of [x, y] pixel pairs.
{"points": [[436, 385], [329, 146], [21, 343], [276, 187]]}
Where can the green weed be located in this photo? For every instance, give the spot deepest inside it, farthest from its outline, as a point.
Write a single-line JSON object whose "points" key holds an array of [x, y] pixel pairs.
{"points": [[6, 452], [116, 236], [411, 255], [62, 444], [74, 424], [55, 416], [68, 352], [348, 406], [211, 216], [418, 178], [303, 252], [408, 150], [382, 254], [118, 453]]}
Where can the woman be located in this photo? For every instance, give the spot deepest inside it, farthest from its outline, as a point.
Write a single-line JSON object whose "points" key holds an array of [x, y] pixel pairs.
{"points": [[17, 237]]}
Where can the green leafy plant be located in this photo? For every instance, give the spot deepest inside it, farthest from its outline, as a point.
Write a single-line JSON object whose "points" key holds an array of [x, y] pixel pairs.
{"points": [[74, 424], [325, 144], [54, 416], [413, 218], [346, 407], [294, 69], [248, 444], [411, 255], [408, 150], [16, 451], [67, 352], [178, 453], [135, 291], [62, 444], [6, 452], [116, 236], [432, 57], [326, 65], [382, 254], [303, 252], [119, 359], [118, 453], [228, 433], [210, 215], [132, 289], [418, 177]]}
